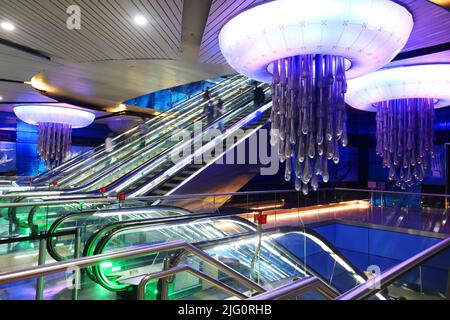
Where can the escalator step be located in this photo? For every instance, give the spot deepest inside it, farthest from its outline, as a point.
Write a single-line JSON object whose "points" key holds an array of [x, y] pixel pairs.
{"points": [[170, 185], [159, 192]]}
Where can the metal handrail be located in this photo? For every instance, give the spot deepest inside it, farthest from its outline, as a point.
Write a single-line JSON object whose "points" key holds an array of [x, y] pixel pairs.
{"points": [[376, 284], [180, 269], [155, 144], [390, 192], [186, 196], [146, 198], [297, 288], [120, 180], [58, 267], [210, 145], [98, 148]]}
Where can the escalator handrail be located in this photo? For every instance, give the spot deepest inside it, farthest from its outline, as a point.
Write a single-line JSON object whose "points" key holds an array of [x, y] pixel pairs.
{"points": [[167, 153], [123, 178], [193, 109], [109, 232], [287, 230], [296, 289], [379, 283], [238, 124], [99, 148], [55, 225], [196, 273], [132, 172]]}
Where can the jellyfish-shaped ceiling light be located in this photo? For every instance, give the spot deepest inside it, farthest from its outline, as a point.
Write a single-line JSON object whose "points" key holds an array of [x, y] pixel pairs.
{"points": [[55, 124], [308, 49], [404, 99]]}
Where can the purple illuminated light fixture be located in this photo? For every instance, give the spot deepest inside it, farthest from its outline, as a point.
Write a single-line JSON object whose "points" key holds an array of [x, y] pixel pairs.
{"points": [[308, 115], [405, 99], [405, 138], [55, 124], [54, 143], [308, 49]]}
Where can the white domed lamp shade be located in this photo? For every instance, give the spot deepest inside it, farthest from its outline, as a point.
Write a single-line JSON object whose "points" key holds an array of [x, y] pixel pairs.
{"points": [[55, 124], [308, 49], [404, 99]]}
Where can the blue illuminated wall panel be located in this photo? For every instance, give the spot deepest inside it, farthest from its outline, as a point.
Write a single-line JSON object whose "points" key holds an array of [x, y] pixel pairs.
{"points": [[366, 246], [164, 100]]}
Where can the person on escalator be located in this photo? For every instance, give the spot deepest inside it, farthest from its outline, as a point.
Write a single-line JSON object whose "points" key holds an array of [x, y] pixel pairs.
{"points": [[142, 131], [206, 95], [220, 111], [208, 111], [109, 143], [258, 95]]}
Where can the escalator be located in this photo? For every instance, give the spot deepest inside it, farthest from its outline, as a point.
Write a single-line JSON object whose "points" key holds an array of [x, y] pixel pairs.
{"points": [[230, 239], [138, 170], [90, 156], [80, 175], [175, 175], [146, 173]]}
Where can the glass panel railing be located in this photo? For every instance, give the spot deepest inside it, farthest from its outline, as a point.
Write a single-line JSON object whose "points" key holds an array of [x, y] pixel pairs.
{"points": [[428, 281], [409, 210], [92, 221]]}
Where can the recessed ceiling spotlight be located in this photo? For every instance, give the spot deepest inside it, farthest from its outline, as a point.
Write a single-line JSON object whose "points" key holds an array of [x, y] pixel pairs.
{"points": [[140, 20], [8, 26]]}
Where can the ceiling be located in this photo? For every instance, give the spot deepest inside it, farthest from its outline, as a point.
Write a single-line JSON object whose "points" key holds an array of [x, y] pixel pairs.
{"points": [[112, 59], [107, 29]]}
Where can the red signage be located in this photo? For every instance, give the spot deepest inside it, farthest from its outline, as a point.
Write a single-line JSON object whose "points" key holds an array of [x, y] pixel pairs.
{"points": [[260, 219]]}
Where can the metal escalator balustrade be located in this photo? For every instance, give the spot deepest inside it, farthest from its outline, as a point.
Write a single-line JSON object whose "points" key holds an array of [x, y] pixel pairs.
{"points": [[178, 180], [92, 221], [164, 159], [159, 132], [120, 140], [243, 119], [198, 111], [139, 160], [241, 249], [60, 267], [435, 255]]}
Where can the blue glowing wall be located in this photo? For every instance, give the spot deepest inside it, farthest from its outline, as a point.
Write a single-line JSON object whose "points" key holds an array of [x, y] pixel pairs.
{"points": [[165, 99]]}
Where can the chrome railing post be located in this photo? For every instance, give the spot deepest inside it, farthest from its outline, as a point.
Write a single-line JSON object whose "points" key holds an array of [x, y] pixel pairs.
{"points": [[379, 283], [77, 272], [41, 261], [165, 281]]}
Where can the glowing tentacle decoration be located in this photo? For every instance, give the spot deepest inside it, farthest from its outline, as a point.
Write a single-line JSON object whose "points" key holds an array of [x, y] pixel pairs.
{"points": [[308, 115], [307, 50], [404, 99], [405, 138], [54, 143], [55, 124]]}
